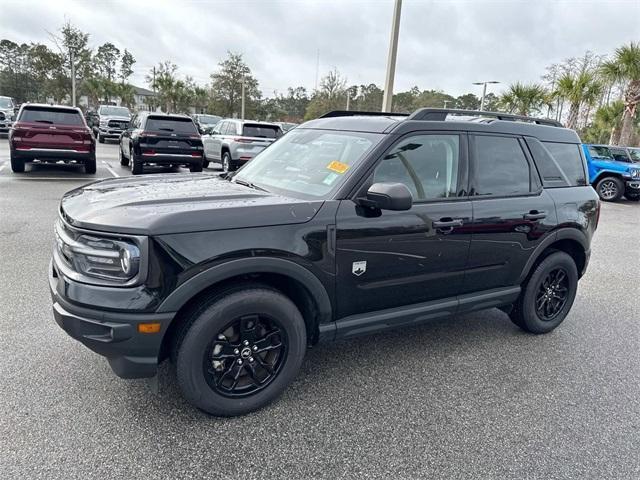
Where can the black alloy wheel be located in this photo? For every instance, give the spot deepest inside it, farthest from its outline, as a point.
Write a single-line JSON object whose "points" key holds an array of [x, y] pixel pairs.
{"points": [[552, 294], [245, 356]]}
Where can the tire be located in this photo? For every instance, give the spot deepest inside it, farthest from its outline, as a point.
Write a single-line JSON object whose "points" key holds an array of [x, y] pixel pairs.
{"points": [[526, 315], [100, 138], [90, 165], [196, 168], [136, 165], [17, 163], [124, 161], [227, 163], [203, 333], [205, 163], [610, 189]]}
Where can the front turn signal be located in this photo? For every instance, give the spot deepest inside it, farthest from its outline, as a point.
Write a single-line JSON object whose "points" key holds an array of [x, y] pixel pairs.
{"points": [[149, 327]]}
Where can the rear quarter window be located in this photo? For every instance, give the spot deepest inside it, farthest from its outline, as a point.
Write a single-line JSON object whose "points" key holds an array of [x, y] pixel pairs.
{"points": [[171, 125], [54, 116], [567, 158]]}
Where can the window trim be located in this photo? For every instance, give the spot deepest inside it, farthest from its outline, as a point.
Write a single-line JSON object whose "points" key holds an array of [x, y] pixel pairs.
{"points": [[361, 187], [473, 163]]}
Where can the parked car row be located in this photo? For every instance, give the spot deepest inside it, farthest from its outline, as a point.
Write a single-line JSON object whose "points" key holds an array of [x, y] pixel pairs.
{"points": [[614, 171]]}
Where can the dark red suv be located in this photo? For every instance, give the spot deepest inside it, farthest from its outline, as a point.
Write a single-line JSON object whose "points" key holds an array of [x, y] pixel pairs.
{"points": [[51, 133]]}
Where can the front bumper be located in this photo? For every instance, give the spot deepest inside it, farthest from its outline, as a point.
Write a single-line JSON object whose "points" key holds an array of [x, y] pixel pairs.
{"points": [[5, 126], [113, 335], [633, 185], [110, 132]]}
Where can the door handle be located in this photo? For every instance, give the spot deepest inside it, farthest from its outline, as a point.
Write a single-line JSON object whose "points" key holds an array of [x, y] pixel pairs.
{"points": [[535, 215], [448, 223]]}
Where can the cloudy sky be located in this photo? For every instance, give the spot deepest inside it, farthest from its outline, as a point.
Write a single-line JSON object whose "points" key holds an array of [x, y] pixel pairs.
{"points": [[443, 45]]}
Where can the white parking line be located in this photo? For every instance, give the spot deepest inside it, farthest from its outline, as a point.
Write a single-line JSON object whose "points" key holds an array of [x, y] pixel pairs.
{"points": [[2, 165], [60, 179], [106, 165]]}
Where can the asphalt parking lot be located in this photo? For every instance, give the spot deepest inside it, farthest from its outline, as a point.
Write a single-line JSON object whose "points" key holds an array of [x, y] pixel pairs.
{"points": [[469, 397]]}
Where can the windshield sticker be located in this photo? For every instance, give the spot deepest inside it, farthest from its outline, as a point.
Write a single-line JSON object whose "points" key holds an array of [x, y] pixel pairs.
{"points": [[329, 179], [338, 167]]}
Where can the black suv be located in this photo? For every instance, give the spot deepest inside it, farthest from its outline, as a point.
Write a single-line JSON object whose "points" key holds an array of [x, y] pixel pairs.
{"points": [[161, 139], [349, 224]]}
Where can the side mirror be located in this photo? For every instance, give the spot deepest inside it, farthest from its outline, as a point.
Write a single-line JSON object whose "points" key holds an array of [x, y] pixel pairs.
{"points": [[389, 196]]}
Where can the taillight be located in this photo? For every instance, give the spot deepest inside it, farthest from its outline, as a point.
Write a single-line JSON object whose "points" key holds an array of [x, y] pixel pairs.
{"points": [[148, 151], [196, 154], [148, 134]]}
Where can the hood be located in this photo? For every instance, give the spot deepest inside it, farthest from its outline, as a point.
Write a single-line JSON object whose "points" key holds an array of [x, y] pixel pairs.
{"points": [[119, 118], [179, 203]]}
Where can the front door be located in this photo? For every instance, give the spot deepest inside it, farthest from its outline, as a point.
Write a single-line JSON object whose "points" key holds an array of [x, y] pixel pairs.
{"points": [[400, 258]]}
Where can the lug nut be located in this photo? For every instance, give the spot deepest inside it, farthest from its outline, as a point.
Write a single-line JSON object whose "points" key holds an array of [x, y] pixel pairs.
{"points": [[245, 343], [239, 361], [251, 359], [236, 351], [255, 348]]}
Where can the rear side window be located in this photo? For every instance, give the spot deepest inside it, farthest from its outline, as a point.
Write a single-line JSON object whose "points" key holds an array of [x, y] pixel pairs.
{"points": [[501, 168], [171, 125], [53, 116], [260, 131], [568, 159], [620, 155]]}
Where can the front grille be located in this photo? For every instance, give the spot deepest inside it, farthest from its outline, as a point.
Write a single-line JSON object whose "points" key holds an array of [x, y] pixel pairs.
{"points": [[118, 124]]}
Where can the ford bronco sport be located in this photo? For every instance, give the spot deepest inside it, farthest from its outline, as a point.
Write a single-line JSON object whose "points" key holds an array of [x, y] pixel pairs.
{"points": [[350, 224]]}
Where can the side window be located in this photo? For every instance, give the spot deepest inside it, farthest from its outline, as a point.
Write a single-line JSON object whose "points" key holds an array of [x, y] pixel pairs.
{"points": [[620, 155], [426, 164], [568, 159], [600, 152], [233, 129], [133, 121], [501, 168]]}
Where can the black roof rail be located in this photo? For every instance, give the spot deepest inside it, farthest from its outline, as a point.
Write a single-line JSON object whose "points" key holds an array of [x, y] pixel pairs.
{"points": [[440, 114], [353, 113]]}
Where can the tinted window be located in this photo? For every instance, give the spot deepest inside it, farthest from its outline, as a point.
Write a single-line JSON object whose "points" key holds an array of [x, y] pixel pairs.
{"points": [[567, 157], [261, 131], [634, 153], [51, 115], [168, 124], [620, 155], [501, 167], [600, 152], [426, 164]]}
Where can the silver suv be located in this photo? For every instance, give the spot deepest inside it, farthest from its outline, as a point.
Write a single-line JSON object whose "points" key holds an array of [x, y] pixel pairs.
{"points": [[112, 121], [233, 143], [6, 114]]}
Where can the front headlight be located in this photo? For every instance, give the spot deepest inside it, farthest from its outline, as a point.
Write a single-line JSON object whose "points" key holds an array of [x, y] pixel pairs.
{"points": [[109, 260], [635, 173]]}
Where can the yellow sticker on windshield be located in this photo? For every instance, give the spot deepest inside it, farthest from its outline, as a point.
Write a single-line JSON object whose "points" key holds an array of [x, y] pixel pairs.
{"points": [[338, 167]]}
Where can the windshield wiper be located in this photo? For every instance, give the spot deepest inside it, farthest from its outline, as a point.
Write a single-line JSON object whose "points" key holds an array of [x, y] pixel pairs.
{"points": [[249, 184]]}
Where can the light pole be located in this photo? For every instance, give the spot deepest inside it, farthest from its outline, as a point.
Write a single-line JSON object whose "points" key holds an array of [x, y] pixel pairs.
{"points": [[391, 60], [484, 91]]}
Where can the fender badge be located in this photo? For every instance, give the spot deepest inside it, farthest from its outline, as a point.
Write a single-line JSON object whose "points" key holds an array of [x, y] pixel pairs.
{"points": [[358, 268]]}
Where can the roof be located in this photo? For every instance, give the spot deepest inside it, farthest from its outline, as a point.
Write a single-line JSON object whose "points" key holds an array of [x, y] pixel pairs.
{"points": [[445, 120], [143, 91]]}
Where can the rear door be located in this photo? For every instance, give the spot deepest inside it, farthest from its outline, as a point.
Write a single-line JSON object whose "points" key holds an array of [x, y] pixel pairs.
{"points": [[52, 128], [512, 214]]}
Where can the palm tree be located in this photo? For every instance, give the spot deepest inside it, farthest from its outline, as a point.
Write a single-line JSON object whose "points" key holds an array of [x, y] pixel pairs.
{"points": [[625, 68], [579, 89], [524, 99]]}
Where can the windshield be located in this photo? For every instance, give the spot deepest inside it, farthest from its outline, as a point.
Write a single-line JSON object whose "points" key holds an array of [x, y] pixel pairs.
{"points": [[6, 103], [308, 163], [115, 111], [634, 153], [209, 119]]}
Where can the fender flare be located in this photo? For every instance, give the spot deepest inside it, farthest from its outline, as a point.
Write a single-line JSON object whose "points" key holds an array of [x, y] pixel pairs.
{"points": [[181, 295], [607, 173], [561, 234]]}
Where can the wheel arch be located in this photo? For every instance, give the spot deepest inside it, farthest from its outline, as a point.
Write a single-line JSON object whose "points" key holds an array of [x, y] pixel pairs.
{"points": [[568, 240], [291, 279], [606, 173]]}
